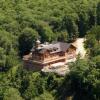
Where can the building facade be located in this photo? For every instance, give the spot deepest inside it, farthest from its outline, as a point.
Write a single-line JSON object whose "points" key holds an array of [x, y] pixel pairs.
{"points": [[44, 55]]}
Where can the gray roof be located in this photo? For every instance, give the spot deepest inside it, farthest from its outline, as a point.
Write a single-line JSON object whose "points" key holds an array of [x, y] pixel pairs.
{"points": [[53, 48]]}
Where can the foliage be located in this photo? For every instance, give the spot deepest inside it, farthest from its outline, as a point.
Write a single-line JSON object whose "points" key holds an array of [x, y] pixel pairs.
{"points": [[11, 94], [8, 50], [26, 40], [82, 82], [93, 41], [22, 22], [45, 96]]}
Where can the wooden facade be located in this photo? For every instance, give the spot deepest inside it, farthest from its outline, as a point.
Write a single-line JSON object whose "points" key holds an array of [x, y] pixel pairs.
{"points": [[44, 57]]}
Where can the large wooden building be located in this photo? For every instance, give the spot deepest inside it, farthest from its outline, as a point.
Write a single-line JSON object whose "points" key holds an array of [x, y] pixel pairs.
{"points": [[44, 55]]}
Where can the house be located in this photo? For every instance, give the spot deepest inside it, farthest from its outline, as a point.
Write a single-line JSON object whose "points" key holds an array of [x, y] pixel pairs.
{"points": [[44, 55]]}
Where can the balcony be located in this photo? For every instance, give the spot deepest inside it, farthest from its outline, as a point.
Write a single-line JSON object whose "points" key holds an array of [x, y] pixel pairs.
{"points": [[49, 60]]}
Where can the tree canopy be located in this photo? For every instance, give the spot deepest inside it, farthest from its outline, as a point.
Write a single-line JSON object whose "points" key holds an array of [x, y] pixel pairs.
{"points": [[22, 22]]}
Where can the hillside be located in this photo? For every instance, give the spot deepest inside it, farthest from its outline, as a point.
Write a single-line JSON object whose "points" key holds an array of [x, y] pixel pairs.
{"points": [[24, 21]]}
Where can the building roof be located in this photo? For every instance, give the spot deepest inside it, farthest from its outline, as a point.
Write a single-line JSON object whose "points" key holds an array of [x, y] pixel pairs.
{"points": [[52, 48]]}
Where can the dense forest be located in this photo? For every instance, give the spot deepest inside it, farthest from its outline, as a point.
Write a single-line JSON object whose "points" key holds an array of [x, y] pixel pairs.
{"points": [[22, 22]]}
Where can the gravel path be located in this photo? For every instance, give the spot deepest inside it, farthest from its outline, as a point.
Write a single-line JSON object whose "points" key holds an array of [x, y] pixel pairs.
{"points": [[79, 43]]}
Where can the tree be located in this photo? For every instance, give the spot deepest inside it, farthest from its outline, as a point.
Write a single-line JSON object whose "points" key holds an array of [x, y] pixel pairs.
{"points": [[44, 31], [8, 50], [22, 21], [12, 93], [62, 36], [2, 59], [84, 80], [98, 13], [92, 41], [51, 82], [45, 96], [35, 87], [95, 31], [47, 34], [71, 27], [26, 40], [96, 60]]}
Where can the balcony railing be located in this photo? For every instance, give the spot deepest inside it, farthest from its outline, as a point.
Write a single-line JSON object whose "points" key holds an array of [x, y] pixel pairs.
{"points": [[48, 60]]}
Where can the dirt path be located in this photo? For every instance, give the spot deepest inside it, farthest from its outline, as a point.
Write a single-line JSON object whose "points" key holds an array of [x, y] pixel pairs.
{"points": [[79, 43]]}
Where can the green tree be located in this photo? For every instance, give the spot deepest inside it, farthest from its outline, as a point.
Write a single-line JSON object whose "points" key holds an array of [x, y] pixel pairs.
{"points": [[8, 50], [26, 40], [96, 60], [2, 59], [92, 41], [12, 93], [35, 87], [98, 13], [62, 36], [45, 96], [83, 81], [71, 27], [95, 31]]}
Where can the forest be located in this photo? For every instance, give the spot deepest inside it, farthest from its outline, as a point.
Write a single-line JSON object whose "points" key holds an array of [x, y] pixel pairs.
{"points": [[22, 22]]}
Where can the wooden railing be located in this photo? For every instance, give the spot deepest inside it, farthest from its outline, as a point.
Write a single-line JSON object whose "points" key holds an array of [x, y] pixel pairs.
{"points": [[49, 60]]}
